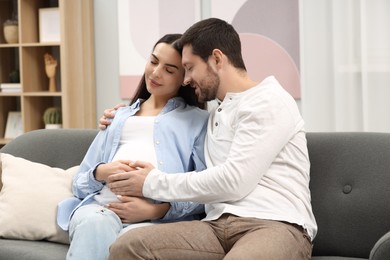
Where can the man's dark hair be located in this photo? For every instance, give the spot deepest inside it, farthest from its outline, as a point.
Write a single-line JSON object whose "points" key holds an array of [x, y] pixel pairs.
{"points": [[213, 33]]}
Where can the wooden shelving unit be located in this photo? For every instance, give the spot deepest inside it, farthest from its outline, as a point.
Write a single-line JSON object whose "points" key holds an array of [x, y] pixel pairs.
{"points": [[75, 76]]}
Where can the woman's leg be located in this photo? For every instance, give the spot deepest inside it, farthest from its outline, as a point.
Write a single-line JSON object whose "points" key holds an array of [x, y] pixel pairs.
{"points": [[92, 230]]}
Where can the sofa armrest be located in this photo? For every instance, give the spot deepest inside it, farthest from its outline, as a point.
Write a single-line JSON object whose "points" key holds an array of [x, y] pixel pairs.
{"points": [[381, 249]]}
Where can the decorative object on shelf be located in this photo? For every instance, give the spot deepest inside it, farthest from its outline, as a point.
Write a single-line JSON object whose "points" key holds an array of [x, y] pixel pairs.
{"points": [[10, 87], [14, 76], [11, 31], [14, 83], [50, 68], [14, 126], [49, 24], [52, 117]]}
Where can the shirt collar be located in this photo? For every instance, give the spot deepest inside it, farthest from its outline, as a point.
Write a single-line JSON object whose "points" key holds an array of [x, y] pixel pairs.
{"points": [[172, 104]]}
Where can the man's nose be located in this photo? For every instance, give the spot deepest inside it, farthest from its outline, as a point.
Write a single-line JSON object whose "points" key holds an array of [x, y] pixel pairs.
{"points": [[187, 80]]}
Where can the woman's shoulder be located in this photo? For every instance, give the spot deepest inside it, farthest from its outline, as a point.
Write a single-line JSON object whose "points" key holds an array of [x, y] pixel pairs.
{"points": [[122, 110], [196, 111]]}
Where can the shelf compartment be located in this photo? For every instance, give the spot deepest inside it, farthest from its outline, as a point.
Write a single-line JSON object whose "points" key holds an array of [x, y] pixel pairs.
{"points": [[9, 62], [34, 78], [8, 8], [34, 107], [29, 18]]}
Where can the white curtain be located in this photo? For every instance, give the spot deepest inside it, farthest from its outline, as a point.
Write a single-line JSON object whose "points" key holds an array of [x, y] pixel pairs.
{"points": [[345, 65]]}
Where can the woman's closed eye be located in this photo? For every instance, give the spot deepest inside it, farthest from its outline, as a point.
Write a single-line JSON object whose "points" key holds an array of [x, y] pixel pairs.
{"points": [[169, 70]]}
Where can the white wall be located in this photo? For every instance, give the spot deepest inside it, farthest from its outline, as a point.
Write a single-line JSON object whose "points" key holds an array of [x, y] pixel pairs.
{"points": [[106, 55], [345, 58]]}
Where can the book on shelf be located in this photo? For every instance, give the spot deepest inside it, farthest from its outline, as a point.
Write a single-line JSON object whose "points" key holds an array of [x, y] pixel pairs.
{"points": [[10, 87], [14, 126]]}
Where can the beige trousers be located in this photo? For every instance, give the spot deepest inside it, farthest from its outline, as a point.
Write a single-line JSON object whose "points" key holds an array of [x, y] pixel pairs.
{"points": [[229, 237]]}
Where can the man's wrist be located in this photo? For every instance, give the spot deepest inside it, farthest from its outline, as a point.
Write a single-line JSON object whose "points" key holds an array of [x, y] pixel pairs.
{"points": [[146, 187]]}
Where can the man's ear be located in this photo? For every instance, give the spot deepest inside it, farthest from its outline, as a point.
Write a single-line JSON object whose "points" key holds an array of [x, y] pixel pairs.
{"points": [[217, 56]]}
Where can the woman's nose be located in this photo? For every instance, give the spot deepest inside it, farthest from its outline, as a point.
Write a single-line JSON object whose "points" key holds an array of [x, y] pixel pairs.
{"points": [[157, 71]]}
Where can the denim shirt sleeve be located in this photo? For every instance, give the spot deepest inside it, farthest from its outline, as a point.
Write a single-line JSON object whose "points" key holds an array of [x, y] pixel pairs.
{"points": [[183, 211], [101, 150], [190, 210], [84, 183]]}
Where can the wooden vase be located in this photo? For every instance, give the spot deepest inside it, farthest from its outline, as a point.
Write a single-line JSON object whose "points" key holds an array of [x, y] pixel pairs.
{"points": [[11, 33]]}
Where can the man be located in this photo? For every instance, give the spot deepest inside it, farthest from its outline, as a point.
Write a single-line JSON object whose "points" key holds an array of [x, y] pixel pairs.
{"points": [[256, 187]]}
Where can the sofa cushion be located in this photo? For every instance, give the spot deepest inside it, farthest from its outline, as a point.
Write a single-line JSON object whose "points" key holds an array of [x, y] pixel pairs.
{"points": [[32, 250], [349, 183], [29, 198]]}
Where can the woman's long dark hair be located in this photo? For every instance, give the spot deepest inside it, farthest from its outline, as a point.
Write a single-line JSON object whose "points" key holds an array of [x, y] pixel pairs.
{"points": [[186, 92]]}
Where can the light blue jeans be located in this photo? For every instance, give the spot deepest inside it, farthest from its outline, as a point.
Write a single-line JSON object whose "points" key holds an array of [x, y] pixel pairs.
{"points": [[92, 229]]}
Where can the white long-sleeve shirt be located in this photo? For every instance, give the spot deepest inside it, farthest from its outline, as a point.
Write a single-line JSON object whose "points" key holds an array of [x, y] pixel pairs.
{"points": [[257, 159]]}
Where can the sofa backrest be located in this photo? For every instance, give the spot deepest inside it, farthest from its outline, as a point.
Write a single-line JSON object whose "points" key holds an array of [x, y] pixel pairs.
{"points": [[350, 186], [349, 182], [62, 148]]}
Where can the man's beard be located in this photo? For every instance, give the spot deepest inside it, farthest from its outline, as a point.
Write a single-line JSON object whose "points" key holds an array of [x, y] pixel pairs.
{"points": [[210, 85]]}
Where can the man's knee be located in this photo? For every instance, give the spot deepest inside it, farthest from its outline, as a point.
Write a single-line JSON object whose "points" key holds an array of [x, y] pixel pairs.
{"points": [[122, 247]]}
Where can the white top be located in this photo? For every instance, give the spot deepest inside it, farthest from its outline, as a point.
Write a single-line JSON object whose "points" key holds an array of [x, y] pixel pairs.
{"points": [[257, 158], [136, 143]]}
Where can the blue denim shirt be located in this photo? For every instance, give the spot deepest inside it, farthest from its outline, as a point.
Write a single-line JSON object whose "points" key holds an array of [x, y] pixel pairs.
{"points": [[179, 133]]}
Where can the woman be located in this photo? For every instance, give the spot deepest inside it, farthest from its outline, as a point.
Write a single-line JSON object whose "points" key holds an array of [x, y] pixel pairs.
{"points": [[160, 125]]}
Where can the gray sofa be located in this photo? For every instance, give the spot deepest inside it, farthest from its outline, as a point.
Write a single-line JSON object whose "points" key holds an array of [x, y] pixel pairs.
{"points": [[350, 184]]}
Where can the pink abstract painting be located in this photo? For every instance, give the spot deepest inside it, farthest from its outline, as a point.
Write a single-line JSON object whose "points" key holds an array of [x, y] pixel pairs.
{"points": [[269, 32]]}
